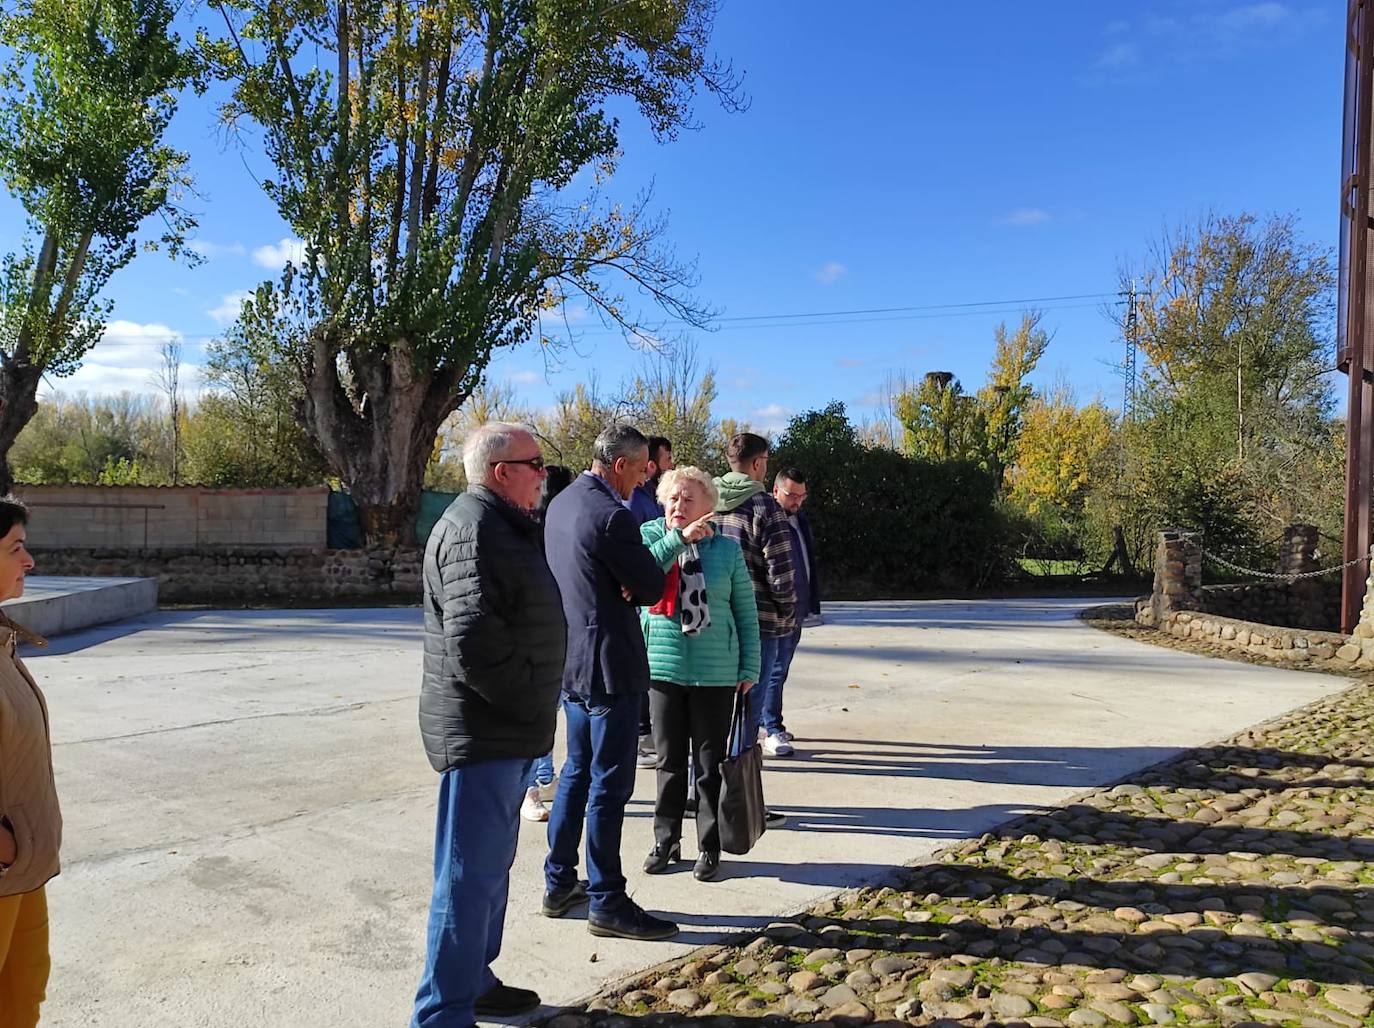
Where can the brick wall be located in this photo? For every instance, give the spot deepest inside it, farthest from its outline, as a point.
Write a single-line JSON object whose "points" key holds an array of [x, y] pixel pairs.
{"points": [[144, 517]]}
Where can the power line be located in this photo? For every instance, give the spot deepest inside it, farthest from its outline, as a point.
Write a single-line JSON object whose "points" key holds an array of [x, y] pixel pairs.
{"points": [[926, 307], [854, 316]]}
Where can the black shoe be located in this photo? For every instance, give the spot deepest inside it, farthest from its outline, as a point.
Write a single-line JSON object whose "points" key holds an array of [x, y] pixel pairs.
{"points": [[558, 902], [773, 819], [505, 1000], [707, 866], [661, 858], [631, 921], [691, 809]]}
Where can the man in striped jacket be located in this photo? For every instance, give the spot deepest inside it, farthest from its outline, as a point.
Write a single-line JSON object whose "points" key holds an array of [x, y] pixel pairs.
{"points": [[750, 516]]}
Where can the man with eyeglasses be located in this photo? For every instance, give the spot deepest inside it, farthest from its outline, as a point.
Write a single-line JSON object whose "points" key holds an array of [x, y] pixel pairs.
{"points": [[493, 666], [789, 489]]}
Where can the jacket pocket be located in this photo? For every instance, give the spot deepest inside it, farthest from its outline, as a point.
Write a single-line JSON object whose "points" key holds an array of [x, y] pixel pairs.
{"points": [[24, 844]]}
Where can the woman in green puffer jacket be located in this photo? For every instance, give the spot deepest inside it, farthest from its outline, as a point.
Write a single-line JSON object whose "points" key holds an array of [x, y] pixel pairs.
{"points": [[703, 642]]}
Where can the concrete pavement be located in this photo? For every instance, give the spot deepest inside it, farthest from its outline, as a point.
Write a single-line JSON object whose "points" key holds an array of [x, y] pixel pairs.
{"points": [[249, 813]]}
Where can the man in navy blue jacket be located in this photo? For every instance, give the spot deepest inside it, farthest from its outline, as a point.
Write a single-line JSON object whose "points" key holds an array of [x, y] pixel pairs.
{"points": [[603, 570]]}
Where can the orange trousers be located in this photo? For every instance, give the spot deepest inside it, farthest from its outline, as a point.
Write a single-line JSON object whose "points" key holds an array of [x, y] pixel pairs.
{"points": [[24, 961]]}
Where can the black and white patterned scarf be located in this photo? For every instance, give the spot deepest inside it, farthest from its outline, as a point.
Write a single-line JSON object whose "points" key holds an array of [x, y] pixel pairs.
{"points": [[696, 615]]}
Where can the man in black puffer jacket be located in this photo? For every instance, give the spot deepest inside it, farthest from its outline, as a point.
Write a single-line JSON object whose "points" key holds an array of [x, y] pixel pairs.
{"points": [[494, 645]]}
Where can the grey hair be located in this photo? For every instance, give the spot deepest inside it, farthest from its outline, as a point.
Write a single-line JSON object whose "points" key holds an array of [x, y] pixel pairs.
{"points": [[618, 441], [701, 479], [490, 442]]}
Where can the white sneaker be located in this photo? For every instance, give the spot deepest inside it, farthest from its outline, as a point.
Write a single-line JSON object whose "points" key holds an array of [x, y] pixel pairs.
{"points": [[812, 620], [533, 808], [548, 792], [777, 746], [786, 736]]}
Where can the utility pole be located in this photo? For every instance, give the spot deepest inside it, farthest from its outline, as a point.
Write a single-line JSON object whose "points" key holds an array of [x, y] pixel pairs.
{"points": [[1129, 366]]}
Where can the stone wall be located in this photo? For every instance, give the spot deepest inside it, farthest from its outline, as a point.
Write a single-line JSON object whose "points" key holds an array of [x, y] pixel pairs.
{"points": [[1301, 646], [1310, 604], [279, 576], [174, 517]]}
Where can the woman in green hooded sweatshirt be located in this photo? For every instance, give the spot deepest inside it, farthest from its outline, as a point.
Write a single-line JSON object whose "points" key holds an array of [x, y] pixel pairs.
{"points": [[703, 643]]}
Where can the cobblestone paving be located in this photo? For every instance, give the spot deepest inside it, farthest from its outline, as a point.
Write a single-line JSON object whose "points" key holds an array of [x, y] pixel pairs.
{"points": [[1232, 886]]}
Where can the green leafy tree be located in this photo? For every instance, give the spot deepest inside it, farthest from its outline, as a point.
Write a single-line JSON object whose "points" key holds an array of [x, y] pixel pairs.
{"points": [[940, 421], [245, 431], [85, 99], [425, 153], [1233, 426], [886, 523]]}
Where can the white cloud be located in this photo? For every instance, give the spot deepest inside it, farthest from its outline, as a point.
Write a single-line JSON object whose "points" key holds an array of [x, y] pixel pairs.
{"points": [[772, 419], [276, 257], [1118, 57], [210, 250], [1262, 15], [229, 306], [1026, 217], [831, 272], [126, 359], [524, 377], [1205, 33]]}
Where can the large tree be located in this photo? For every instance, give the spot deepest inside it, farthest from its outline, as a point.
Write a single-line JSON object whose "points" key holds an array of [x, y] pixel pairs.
{"points": [[425, 152], [86, 95], [1234, 412]]}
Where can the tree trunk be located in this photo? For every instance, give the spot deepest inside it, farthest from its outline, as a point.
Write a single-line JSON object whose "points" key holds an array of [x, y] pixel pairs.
{"points": [[18, 404], [379, 447]]}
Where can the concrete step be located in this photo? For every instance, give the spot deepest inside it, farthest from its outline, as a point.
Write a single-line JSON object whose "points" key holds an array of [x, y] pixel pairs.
{"points": [[52, 605]]}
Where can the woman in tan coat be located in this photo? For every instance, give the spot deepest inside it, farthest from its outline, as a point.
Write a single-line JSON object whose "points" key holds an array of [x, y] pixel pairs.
{"points": [[30, 821]]}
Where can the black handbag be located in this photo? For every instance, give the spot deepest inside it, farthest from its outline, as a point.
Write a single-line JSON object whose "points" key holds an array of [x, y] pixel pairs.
{"points": [[741, 817]]}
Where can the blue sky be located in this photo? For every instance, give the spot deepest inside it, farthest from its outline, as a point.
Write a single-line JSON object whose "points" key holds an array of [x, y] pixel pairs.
{"points": [[894, 155]]}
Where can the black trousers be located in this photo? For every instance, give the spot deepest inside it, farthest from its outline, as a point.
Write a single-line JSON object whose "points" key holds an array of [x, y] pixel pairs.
{"points": [[690, 723], [645, 717]]}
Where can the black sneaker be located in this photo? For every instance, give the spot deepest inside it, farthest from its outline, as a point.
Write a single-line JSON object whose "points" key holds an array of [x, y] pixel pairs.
{"points": [[631, 921], [505, 1000], [707, 866], [661, 858], [773, 819], [558, 902]]}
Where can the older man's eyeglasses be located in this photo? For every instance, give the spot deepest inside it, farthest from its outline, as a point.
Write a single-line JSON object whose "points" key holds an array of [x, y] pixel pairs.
{"points": [[534, 462]]}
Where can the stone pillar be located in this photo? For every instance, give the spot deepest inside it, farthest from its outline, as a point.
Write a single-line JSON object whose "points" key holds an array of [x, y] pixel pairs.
{"points": [[1299, 553], [1298, 556], [1178, 574]]}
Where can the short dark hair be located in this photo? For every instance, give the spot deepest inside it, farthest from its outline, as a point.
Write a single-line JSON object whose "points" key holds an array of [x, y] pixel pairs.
{"points": [[657, 444], [791, 474], [617, 441], [12, 512], [745, 448]]}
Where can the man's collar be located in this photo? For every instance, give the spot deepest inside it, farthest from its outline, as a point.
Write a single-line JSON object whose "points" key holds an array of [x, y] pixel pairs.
{"points": [[517, 515]]}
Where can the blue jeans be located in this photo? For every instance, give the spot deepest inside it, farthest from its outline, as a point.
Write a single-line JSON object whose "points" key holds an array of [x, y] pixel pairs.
{"points": [[474, 846], [596, 784], [775, 680], [759, 697], [541, 771]]}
